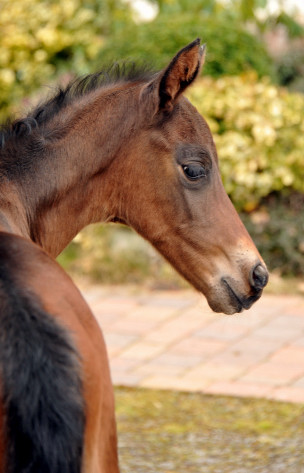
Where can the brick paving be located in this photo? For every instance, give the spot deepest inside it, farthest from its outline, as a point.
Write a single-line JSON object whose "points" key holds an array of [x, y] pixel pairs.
{"points": [[172, 340]]}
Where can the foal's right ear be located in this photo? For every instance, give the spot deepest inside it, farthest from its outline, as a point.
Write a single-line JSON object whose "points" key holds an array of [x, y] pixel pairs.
{"points": [[177, 76]]}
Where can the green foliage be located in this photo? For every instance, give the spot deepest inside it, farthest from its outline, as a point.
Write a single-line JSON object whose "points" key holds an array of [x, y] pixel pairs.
{"points": [[231, 50], [294, 29], [41, 38], [259, 132], [182, 6]]}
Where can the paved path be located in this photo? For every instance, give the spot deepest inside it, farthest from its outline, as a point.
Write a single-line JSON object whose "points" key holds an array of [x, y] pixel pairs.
{"points": [[172, 340]]}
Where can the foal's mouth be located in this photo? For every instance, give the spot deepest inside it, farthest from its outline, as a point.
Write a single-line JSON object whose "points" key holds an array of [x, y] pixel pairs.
{"points": [[238, 302]]}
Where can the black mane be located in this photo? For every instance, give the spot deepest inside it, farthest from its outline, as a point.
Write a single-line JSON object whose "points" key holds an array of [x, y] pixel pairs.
{"points": [[125, 72]]}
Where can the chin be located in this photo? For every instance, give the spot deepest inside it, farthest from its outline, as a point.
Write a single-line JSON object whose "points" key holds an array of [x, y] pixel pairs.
{"points": [[225, 299]]}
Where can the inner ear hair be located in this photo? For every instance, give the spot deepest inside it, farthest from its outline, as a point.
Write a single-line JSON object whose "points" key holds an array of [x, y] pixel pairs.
{"points": [[180, 73]]}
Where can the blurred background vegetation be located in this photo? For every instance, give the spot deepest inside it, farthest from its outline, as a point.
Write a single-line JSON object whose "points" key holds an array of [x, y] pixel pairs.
{"points": [[251, 94]]}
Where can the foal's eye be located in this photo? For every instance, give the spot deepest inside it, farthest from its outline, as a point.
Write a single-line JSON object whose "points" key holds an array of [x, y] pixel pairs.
{"points": [[194, 171]]}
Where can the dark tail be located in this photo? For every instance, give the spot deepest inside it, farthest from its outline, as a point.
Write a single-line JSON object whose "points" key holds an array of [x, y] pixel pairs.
{"points": [[41, 388]]}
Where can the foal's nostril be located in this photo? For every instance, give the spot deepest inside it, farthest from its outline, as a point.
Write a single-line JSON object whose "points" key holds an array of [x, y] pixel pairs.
{"points": [[259, 277]]}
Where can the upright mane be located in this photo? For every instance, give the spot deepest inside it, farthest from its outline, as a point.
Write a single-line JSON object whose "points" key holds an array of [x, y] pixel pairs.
{"points": [[41, 115]]}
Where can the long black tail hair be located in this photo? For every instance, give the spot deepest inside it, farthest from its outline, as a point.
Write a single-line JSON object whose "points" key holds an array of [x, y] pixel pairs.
{"points": [[41, 387]]}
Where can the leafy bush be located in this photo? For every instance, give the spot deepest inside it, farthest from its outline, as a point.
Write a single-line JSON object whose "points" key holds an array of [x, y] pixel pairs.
{"points": [[231, 49], [259, 132], [41, 38]]}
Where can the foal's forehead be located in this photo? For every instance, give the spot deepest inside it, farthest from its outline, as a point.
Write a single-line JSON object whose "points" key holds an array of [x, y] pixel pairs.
{"points": [[190, 125]]}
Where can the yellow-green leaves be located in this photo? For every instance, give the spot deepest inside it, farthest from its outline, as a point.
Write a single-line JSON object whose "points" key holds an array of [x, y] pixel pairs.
{"points": [[41, 38], [259, 132]]}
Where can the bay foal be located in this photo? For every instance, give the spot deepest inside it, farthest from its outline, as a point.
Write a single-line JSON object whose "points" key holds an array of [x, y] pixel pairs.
{"points": [[125, 146]]}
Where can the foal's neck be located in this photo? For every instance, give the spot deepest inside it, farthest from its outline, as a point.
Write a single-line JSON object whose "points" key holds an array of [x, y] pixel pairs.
{"points": [[68, 189]]}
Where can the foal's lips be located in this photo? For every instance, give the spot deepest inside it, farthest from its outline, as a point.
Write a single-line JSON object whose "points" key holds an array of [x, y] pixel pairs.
{"points": [[238, 302]]}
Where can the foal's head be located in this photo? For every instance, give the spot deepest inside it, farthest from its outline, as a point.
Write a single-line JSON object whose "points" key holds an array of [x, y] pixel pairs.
{"points": [[138, 152], [173, 196]]}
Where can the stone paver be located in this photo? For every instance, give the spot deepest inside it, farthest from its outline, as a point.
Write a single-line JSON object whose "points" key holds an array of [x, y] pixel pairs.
{"points": [[172, 340]]}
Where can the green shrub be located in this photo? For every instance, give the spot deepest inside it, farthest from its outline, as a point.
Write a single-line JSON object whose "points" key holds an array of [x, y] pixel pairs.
{"points": [[259, 132], [231, 49], [41, 38]]}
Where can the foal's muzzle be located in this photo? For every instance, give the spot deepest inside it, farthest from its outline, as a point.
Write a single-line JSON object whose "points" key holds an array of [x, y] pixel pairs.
{"points": [[258, 279]]}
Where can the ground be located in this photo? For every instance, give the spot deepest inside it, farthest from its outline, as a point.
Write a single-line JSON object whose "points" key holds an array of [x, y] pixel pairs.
{"points": [[174, 432]]}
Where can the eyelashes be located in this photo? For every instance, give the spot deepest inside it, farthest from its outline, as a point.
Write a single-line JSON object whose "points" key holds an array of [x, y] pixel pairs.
{"points": [[194, 171]]}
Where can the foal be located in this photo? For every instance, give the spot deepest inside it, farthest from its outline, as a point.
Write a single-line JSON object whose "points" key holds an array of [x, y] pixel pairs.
{"points": [[128, 148]]}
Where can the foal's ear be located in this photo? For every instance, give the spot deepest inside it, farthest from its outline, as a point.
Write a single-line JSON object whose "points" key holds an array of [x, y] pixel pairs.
{"points": [[180, 73]]}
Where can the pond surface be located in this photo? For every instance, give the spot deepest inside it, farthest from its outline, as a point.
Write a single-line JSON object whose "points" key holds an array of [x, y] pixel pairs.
{"points": [[171, 432]]}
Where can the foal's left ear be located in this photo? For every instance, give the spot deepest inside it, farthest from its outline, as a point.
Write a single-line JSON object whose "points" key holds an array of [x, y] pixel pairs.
{"points": [[161, 93], [180, 73]]}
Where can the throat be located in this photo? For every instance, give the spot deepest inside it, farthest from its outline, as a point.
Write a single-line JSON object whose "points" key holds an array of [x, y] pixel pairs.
{"points": [[58, 221]]}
